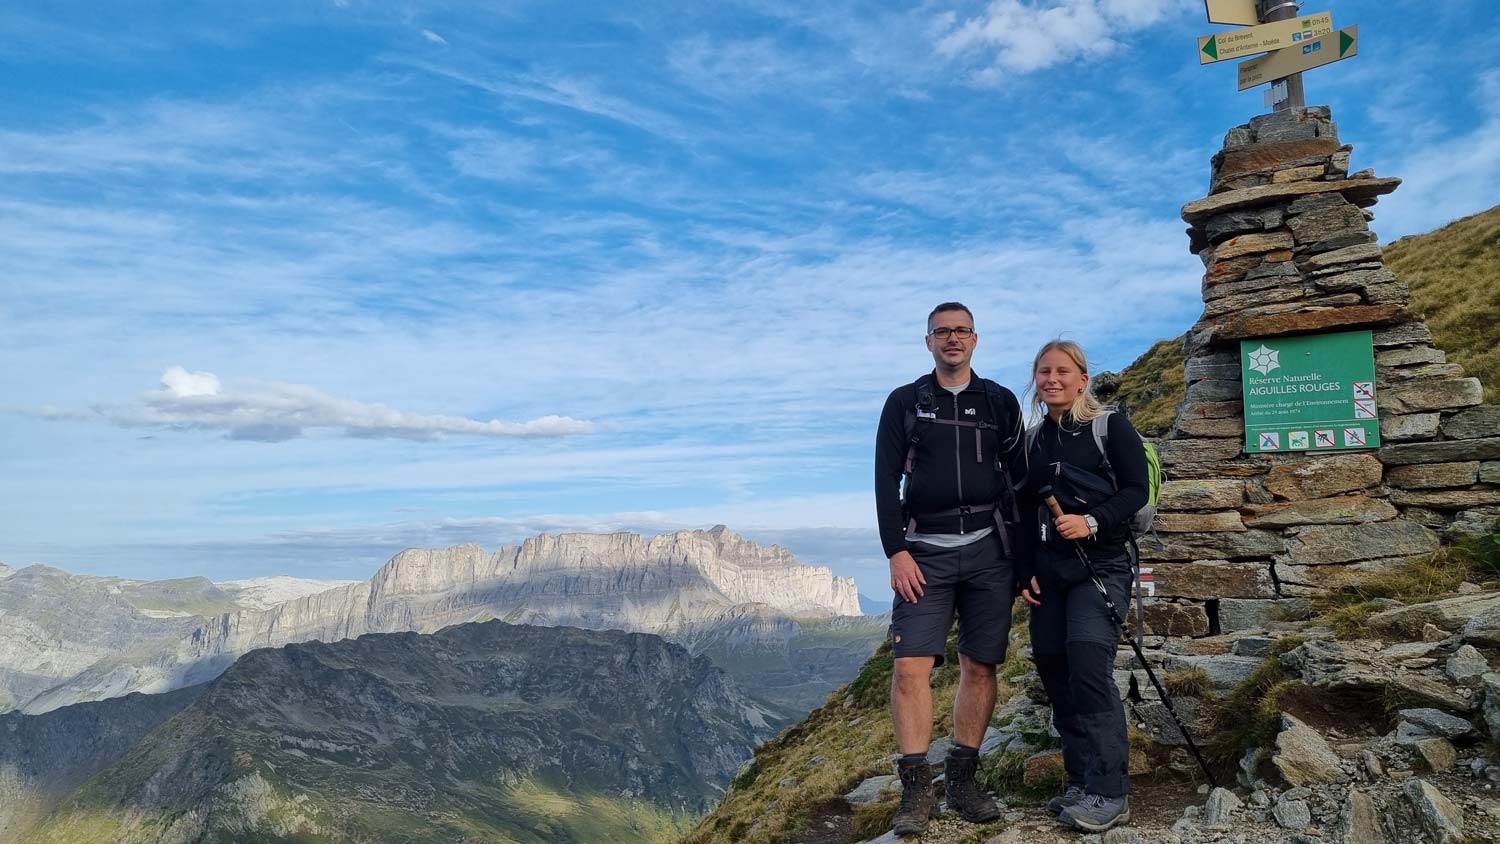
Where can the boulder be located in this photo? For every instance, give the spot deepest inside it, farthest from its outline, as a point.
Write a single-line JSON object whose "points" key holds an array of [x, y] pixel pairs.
{"points": [[1321, 477], [1163, 619], [1410, 355], [1491, 710], [1447, 499], [1237, 614], [1361, 253], [1043, 770], [873, 789], [1201, 495], [1227, 520], [1157, 722], [1220, 808], [1435, 723], [1430, 395], [1359, 821], [1466, 666], [1476, 521], [1432, 688], [1224, 671], [1292, 814], [1338, 510], [1307, 321], [1483, 629], [1303, 757], [1321, 545], [1247, 544], [1211, 579], [1480, 421], [1317, 579], [1447, 451], [1433, 475], [1325, 223], [1440, 817], [1356, 190], [1403, 334], [1253, 244], [1448, 613], [1437, 753], [1411, 426]]}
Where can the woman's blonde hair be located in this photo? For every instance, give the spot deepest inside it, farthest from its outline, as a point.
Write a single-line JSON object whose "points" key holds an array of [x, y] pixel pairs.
{"points": [[1086, 408]]}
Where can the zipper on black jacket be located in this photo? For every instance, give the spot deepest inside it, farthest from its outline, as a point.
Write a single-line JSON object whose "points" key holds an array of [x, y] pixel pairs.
{"points": [[958, 463]]}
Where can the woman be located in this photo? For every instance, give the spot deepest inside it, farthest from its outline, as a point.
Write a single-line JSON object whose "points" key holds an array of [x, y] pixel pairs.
{"points": [[1073, 636]]}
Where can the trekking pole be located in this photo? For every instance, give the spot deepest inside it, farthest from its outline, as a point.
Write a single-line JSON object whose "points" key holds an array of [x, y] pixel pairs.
{"points": [[1114, 614]]}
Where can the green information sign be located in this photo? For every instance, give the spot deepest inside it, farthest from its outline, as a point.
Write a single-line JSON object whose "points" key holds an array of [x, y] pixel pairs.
{"points": [[1314, 393]]}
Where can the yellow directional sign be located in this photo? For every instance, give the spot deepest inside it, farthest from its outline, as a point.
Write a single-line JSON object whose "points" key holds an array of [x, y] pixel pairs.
{"points": [[1304, 56], [1240, 12], [1237, 43]]}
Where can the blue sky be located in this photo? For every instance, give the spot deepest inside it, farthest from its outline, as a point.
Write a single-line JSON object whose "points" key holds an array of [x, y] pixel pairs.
{"points": [[289, 286]]}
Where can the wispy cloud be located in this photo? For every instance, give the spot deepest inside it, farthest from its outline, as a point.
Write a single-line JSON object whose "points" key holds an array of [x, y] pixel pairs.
{"points": [[434, 37], [276, 412]]}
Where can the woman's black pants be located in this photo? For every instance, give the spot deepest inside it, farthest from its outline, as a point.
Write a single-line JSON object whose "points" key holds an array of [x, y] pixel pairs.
{"points": [[1073, 641]]}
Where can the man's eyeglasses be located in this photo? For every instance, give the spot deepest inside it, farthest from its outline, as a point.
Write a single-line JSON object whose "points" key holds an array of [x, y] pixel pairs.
{"points": [[963, 332]]}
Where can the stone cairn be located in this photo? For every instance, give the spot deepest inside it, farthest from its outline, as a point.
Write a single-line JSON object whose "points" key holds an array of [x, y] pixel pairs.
{"points": [[1285, 240]]}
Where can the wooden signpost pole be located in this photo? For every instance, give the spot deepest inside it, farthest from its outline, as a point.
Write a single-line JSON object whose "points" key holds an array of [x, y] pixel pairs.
{"points": [[1280, 10]]}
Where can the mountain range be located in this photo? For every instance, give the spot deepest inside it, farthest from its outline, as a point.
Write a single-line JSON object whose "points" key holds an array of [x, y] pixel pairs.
{"points": [[480, 732], [789, 631]]}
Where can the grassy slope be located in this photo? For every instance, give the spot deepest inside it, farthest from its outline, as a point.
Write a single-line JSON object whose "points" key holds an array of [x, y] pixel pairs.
{"points": [[1151, 388], [834, 749], [1454, 275]]}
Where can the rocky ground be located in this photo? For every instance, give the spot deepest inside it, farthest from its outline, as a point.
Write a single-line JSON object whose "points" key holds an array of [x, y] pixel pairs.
{"points": [[1390, 738]]}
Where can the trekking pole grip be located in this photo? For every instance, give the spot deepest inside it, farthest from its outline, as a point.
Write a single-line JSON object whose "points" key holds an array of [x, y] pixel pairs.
{"points": [[1051, 501]]}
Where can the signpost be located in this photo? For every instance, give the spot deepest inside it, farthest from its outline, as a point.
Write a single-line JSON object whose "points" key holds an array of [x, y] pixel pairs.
{"points": [[1312, 393], [1238, 12], [1259, 39], [1306, 56], [1275, 28]]}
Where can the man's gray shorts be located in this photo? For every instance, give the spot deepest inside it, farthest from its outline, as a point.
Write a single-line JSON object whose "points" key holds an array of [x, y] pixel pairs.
{"points": [[977, 580]]}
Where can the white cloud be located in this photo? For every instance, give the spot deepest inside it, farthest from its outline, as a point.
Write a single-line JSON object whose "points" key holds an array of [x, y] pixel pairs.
{"points": [[1011, 36], [434, 37], [277, 411], [183, 384]]}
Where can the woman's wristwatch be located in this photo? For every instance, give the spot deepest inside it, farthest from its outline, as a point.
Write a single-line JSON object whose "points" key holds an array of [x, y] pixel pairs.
{"points": [[1093, 524]]}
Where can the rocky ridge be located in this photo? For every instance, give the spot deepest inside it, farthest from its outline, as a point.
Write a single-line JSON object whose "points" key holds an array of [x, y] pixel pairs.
{"points": [[479, 732], [674, 584]]}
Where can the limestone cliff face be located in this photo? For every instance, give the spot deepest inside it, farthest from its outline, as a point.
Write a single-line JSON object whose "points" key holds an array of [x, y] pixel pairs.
{"points": [[671, 584]]}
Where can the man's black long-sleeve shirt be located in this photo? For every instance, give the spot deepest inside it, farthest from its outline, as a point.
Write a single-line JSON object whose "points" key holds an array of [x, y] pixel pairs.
{"points": [[952, 466]]}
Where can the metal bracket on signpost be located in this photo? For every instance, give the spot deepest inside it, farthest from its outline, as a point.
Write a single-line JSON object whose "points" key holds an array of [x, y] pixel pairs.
{"points": [[1293, 97], [1276, 94]]}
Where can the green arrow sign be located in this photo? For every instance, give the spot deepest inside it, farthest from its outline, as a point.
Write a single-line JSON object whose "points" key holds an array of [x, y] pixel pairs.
{"points": [[1305, 55], [1277, 35]]}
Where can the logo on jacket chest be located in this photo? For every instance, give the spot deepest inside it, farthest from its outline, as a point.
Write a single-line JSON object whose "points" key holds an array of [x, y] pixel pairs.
{"points": [[968, 411]]}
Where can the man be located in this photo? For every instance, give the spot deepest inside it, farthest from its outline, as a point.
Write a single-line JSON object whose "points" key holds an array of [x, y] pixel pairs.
{"points": [[959, 441]]}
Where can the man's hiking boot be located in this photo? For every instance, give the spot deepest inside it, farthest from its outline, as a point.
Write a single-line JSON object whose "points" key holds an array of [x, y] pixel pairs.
{"points": [[964, 794], [1097, 813], [917, 802], [1064, 800]]}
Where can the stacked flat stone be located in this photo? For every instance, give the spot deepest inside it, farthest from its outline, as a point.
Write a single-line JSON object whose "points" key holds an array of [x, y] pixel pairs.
{"points": [[1286, 246]]}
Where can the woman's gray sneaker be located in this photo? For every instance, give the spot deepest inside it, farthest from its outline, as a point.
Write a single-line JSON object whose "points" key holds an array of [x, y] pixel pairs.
{"points": [[1097, 813], [1064, 800]]}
